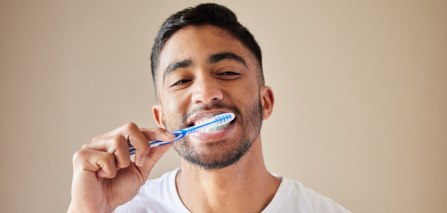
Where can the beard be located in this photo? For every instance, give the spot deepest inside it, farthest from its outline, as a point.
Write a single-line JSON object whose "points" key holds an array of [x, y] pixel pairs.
{"points": [[222, 154]]}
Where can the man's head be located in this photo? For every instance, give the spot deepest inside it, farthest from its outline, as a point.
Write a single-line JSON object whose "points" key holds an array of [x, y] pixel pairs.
{"points": [[203, 69], [205, 14]]}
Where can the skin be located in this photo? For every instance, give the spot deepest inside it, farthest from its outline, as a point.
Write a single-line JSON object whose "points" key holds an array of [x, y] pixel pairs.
{"points": [[104, 177]]}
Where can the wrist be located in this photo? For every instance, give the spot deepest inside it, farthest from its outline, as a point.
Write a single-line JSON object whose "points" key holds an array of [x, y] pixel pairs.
{"points": [[73, 208]]}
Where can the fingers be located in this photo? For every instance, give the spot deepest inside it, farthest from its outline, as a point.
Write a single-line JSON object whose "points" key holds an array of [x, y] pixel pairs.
{"points": [[101, 163], [118, 140], [138, 141], [116, 145], [109, 152], [158, 134]]}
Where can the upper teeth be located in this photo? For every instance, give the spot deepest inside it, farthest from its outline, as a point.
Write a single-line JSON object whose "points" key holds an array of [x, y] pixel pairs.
{"points": [[214, 128], [202, 121]]}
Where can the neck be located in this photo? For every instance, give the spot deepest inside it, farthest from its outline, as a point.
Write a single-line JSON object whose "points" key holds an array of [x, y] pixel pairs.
{"points": [[245, 186]]}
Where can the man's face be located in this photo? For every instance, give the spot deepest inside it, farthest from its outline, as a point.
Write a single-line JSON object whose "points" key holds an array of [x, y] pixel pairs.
{"points": [[204, 71]]}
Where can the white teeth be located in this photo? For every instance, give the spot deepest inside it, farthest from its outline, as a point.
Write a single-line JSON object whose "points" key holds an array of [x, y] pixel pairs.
{"points": [[211, 128], [202, 121], [214, 128]]}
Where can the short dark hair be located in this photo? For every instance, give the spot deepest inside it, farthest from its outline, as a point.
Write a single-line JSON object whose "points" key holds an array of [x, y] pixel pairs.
{"points": [[205, 14]]}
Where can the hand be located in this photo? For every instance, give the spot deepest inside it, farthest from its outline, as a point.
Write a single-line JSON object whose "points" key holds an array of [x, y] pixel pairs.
{"points": [[104, 176]]}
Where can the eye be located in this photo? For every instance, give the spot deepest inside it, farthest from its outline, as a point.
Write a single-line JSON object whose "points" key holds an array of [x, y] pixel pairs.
{"points": [[229, 75], [180, 82]]}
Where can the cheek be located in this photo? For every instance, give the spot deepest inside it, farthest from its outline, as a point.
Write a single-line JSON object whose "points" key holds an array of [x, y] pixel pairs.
{"points": [[245, 99], [174, 108], [245, 93]]}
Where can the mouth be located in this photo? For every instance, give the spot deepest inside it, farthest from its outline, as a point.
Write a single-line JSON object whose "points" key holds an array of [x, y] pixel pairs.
{"points": [[213, 128], [205, 117]]}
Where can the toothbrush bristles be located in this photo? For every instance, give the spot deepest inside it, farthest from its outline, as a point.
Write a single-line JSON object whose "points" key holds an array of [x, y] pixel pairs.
{"points": [[215, 123]]}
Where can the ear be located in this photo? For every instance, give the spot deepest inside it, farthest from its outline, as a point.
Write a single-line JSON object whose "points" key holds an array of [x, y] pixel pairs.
{"points": [[157, 112], [267, 101]]}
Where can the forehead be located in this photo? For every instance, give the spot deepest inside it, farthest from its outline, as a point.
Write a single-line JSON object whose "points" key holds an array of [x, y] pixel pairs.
{"points": [[197, 43]]}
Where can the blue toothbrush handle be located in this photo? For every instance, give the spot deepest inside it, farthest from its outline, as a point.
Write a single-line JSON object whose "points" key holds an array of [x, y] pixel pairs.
{"points": [[178, 135]]}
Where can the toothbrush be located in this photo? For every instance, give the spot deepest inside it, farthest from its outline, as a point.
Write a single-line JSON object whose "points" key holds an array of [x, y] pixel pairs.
{"points": [[215, 121]]}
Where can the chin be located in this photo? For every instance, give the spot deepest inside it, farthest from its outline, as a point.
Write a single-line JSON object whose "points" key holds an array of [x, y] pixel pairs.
{"points": [[212, 155]]}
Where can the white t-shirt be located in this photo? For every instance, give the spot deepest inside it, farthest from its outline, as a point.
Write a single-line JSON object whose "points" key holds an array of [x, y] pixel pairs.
{"points": [[160, 195]]}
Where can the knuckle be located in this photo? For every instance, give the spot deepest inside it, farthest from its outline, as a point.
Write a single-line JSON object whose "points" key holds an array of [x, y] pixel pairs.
{"points": [[162, 131], [154, 133], [117, 142], [106, 161], [130, 126], [103, 158], [79, 156], [118, 138], [109, 158], [97, 137], [159, 131]]}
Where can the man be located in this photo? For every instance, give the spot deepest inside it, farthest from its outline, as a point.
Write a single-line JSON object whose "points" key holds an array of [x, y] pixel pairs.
{"points": [[204, 63]]}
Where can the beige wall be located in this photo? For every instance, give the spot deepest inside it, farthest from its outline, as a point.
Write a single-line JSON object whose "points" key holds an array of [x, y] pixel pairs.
{"points": [[361, 94]]}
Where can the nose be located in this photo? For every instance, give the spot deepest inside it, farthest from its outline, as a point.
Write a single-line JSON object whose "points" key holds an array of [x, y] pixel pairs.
{"points": [[206, 91]]}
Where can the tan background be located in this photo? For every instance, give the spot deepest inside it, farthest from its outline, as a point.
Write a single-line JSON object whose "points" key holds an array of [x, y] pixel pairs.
{"points": [[361, 94]]}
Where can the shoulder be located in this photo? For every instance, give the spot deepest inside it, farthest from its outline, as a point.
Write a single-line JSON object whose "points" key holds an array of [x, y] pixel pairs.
{"points": [[292, 196]]}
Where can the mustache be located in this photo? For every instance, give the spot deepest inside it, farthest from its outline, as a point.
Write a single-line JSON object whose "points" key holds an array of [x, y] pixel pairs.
{"points": [[207, 107]]}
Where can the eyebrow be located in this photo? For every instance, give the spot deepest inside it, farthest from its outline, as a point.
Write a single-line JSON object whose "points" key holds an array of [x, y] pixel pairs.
{"points": [[226, 55], [176, 65]]}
